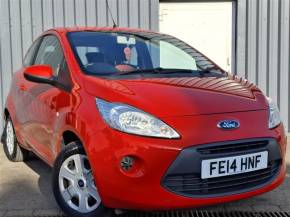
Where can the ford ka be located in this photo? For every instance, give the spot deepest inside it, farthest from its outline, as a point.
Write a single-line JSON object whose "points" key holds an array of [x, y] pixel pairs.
{"points": [[132, 119]]}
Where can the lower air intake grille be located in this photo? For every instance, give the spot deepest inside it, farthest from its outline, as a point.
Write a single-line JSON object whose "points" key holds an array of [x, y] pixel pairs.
{"points": [[233, 147], [184, 175], [192, 184]]}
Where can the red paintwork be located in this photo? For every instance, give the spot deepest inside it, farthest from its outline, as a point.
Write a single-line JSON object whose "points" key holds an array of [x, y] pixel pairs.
{"points": [[192, 106], [41, 71]]}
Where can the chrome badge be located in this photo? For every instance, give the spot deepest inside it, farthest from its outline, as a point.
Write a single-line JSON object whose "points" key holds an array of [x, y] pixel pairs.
{"points": [[228, 124]]}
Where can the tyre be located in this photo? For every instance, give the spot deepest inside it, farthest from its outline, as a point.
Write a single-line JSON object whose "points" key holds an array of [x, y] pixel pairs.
{"points": [[11, 147], [73, 184]]}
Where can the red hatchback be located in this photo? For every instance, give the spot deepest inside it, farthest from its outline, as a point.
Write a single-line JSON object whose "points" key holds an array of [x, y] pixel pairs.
{"points": [[132, 119]]}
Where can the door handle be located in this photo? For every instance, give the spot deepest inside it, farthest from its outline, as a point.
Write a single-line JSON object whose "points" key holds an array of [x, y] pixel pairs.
{"points": [[23, 87]]}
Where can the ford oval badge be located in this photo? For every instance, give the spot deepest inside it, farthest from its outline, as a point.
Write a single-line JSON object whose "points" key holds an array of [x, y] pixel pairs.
{"points": [[228, 124]]}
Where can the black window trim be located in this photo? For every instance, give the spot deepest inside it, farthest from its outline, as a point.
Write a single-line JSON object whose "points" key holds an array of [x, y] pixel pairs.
{"points": [[60, 85]]}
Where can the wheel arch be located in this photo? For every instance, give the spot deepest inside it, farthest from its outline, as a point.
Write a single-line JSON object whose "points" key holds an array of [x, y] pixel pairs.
{"points": [[6, 114], [65, 137], [69, 136]]}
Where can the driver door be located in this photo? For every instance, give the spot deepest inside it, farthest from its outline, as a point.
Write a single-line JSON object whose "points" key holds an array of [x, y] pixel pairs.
{"points": [[44, 100]]}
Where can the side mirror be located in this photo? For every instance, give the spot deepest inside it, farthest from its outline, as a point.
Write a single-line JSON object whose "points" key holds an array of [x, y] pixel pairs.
{"points": [[39, 74]]}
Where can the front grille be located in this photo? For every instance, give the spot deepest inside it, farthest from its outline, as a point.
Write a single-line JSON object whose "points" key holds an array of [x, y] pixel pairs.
{"points": [[233, 147], [184, 175], [192, 184]]}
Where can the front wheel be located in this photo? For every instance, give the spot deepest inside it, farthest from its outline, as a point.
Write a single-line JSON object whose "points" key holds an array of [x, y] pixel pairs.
{"points": [[73, 184]]}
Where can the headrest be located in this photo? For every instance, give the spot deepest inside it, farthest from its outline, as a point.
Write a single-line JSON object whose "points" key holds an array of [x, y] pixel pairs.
{"points": [[95, 57]]}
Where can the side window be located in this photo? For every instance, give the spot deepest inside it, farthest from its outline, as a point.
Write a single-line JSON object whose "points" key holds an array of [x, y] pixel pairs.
{"points": [[28, 59], [50, 53]]}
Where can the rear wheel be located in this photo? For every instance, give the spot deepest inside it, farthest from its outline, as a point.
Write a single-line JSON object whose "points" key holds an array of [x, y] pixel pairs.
{"points": [[11, 147], [73, 184]]}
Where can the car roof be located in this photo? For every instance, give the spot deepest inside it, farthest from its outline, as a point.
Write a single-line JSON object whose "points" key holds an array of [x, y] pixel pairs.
{"points": [[99, 29]]}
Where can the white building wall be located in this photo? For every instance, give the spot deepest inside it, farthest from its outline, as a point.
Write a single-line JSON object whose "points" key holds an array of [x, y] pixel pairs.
{"points": [[262, 43]]}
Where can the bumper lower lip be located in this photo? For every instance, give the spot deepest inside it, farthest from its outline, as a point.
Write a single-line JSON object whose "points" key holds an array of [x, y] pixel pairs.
{"points": [[165, 200]]}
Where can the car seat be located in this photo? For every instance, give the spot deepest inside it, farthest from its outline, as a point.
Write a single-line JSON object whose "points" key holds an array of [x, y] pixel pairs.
{"points": [[95, 57]]}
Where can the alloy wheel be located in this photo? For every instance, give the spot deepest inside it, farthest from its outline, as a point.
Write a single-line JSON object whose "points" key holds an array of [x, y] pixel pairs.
{"points": [[10, 139], [77, 186]]}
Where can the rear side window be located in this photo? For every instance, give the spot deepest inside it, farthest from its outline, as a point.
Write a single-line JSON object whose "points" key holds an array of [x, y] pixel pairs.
{"points": [[28, 59], [50, 53]]}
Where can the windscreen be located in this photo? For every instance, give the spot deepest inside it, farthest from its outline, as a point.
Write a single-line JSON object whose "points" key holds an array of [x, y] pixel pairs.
{"points": [[117, 53]]}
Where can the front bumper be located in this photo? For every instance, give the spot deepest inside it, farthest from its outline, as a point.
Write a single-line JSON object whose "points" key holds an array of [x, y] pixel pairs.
{"points": [[184, 175], [143, 187]]}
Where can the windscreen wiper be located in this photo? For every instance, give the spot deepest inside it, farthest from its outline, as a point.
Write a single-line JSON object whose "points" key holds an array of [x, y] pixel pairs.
{"points": [[160, 70], [210, 69]]}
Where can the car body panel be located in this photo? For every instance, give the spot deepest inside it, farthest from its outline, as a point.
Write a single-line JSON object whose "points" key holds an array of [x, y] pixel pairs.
{"points": [[192, 96]]}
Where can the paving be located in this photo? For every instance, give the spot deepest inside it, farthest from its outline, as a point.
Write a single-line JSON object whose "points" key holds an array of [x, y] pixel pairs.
{"points": [[25, 190]]}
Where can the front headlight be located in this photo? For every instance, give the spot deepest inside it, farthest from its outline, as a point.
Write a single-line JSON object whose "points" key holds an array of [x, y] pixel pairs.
{"points": [[132, 120], [274, 114]]}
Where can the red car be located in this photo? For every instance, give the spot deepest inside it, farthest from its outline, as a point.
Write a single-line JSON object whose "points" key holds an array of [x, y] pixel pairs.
{"points": [[132, 119]]}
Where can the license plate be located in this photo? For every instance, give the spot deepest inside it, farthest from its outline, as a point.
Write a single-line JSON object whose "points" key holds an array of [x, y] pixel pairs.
{"points": [[234, 165]]}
